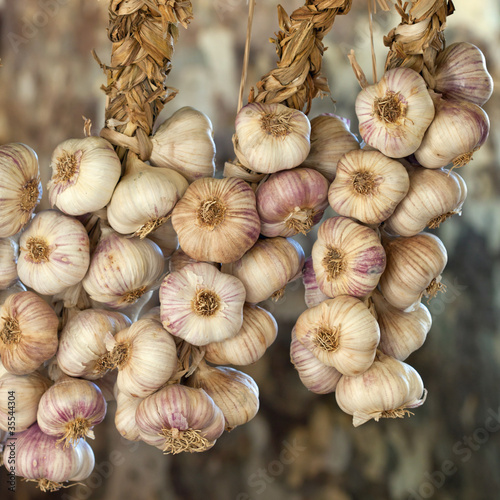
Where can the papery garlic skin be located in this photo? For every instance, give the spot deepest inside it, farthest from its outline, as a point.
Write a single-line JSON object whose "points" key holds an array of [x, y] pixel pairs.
{"points": [[179, 418], [184, 142], [291, 202], [125, 424], [216, 220], [386, 390], [200, 304], [271, 137], [340, 332], [8, 262], [20, 187], [84, 175], [82, 346], [28, 332], [414, 267], [316, 376], [348, 258], [70, 409], [54, 253], [330, 140], [395, 112], [259, 273], [122, 270], [27, 391], [313, 295], [368, 186], [257, 333]]}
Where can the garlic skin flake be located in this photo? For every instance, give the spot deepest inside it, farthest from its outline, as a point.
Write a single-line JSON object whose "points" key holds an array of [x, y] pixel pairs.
{"points": [[54, 253], [179, 419], [271, 137], [340, 332], [8, 262], [84, 175], [20, 187], [388, 389], [200, 304], [395, 112]]}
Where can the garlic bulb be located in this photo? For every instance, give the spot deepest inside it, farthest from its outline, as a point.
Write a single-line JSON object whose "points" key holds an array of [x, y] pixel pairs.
{"points": [[386, 390], [166, 238], [122, 270], [216, 220], [313, 295], [179, 418], [401, 333], [82, 347], [8, 262], [28, 332], [271, 137], [20, 187], [19, 397], [348, 258], [125, 416], [84, 175], [184, 142], [461, 74], [316, 376], [234, 392], [200, 304], [70, 409], [434, 196], [458, 130], [414, 267], [145, 355], [340, 332], [39, 459], [54, 253], [257, 333], [368, 186], [291, 202], [144, 198], [395, 112], [330, 140]]}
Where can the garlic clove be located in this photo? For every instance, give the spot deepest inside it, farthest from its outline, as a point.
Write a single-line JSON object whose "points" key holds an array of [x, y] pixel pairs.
{"points": [[8, 262], [313, 295], [85, 460], [126, 408], [271, 137]]}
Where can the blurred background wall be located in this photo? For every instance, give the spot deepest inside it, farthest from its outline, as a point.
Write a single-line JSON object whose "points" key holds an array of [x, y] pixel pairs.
{"points": [[300, 446]]}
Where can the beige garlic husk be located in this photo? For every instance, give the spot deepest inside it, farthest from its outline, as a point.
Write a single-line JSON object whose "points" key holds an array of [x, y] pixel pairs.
{"points": [[122, 270], [9, 250], [166, 238], [179, 419], [144, 198], [388, 389], [216, 220], [414, 267], [125, 424], [271, 137], [54, 253], [313, 295], [259, 272], [291, 202], [28, 332], [394, 113], [368, 186], [21, 189], [330, 140], [314, 375], [340, 332], [145, 355], [401, 333], [84, 175], [434, 196], [70, 409], [348, 258], [458, 130], [200, 304], [82, 346], [257, 333], [19, 397], [234, 392]]}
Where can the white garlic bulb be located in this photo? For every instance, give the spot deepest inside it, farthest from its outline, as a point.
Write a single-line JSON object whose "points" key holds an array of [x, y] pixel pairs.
{"points": [[8, 262], [84, 175]]}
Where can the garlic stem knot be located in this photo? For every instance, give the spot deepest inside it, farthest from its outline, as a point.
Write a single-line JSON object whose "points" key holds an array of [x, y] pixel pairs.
{"points": [[396, 413], [76, 429], [131, 296], [327, 338], [29, 195], [390, 108], [114, 358], [301, 219], [47, 485], [333, 262], [363, 182], [38, 250], [278, 294], [211, 213], [436, 221], [277, 124], [206, 302], [177, 441], [66, 167], [434, 287], [150, 226], [11, 333], [463, 159]]}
